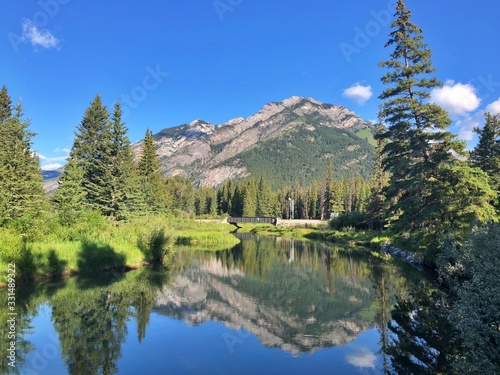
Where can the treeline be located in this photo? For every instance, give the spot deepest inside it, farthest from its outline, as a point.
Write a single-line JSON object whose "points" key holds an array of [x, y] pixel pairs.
{"points": [[103, 175], [255, 197]]}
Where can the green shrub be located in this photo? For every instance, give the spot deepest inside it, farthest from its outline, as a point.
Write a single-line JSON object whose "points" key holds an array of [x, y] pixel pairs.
{"points": [[156, 243], [356, 220], [13, 249]]}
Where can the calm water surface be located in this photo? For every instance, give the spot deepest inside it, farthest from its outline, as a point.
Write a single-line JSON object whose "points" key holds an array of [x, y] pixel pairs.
{"points": [[267, 306]]}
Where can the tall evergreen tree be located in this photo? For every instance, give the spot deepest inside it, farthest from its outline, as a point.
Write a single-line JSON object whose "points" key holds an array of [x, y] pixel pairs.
{"points": [[420, 154], [5, 105], [91, 152], [69, 198], [313, 200], [126, 197], [153, 185], [329, 199], [486, 154], [22, 198], [250, 198], [377, 205], [265, 201]]}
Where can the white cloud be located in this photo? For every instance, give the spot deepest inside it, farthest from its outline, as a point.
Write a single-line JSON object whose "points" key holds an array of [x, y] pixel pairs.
{"points": [[364, 358], [51, 163], [65, 150], [359, 93], [38, 37], [467, 124], [456, 98], [494, 108], [51, 167]]}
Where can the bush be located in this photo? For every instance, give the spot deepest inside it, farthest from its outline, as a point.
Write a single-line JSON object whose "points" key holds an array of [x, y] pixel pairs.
{"points": [[156, 243], [13, 249], [353, 220]]}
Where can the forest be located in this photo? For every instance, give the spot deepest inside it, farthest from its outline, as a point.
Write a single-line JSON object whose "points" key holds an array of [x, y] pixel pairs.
{"points": [[427, 192]]}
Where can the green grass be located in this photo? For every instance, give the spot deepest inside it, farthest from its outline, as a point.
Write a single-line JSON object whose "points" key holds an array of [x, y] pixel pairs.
{"points": [[100, 245]]}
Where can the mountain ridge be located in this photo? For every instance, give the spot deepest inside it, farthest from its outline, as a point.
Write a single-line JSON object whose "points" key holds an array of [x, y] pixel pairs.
{"points": [[210, 154]]}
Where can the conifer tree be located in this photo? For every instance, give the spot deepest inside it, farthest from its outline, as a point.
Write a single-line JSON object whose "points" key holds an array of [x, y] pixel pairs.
{"points": [[265, 206], [486, 154], [377, 205], [250, 198], [22, 197], [5, 105], [91, 152], [153, 185], [126, 197], [237, 201], [313, 200], [329, 199], [420, 155], [69, 198]]}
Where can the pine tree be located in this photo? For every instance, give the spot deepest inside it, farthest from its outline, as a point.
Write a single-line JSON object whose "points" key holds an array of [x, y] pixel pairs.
{"points": [[69, 198], [92, 152], [486, 154], [5, 105], [250, 198], [313, 200], [126, 197], [329, 199], [153, 185], [420, 154], [377, 205], [22, 197], [264, 198]]}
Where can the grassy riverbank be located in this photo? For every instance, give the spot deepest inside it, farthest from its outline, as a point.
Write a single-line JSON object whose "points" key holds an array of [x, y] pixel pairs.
{"points": [[97, 244]]}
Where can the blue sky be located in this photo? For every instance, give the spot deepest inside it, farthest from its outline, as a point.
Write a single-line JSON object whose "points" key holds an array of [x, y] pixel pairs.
{"points": [[173, 61]]}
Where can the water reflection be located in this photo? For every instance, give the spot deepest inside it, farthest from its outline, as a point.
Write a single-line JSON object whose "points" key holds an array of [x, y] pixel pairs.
{"points": [[297, 296]]}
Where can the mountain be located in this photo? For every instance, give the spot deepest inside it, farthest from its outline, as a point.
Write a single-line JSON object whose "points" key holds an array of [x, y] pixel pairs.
{"points": [[292, 140], [51, 180]]}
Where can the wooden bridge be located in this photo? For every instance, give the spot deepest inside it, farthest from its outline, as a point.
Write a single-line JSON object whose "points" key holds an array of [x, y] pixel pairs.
{"points": [[256, 220]]}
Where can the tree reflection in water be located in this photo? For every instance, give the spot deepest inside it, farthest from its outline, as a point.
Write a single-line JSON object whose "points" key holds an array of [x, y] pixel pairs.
{"points": [[422, 340], [300, 296]]}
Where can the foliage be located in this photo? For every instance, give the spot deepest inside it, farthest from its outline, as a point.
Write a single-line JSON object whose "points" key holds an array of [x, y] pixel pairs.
{"points": [[422, 338], [156, 243], [473, 271], [100, 172], [14, 249], [22, 200], [419, 154], [153, 186], [303, 155], [351, 220], [486, 154], [69, 199]]}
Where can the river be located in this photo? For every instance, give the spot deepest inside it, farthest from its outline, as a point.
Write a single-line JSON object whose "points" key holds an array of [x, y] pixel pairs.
{"points": [[267, 306]]}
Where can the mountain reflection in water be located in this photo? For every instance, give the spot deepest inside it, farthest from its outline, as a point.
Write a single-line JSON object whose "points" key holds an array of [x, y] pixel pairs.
{"points": [[294, 295]]}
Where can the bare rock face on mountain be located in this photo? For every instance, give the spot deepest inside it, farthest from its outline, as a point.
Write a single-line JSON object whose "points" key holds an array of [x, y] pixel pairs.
{"points": [[296, 136]]}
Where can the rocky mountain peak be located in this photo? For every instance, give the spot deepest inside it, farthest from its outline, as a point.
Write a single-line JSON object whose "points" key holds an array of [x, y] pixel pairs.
{"points": [[211, 153]]}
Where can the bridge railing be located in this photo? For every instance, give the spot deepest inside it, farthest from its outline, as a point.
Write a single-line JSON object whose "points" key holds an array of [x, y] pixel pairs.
{"points": [[260, 220]]}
